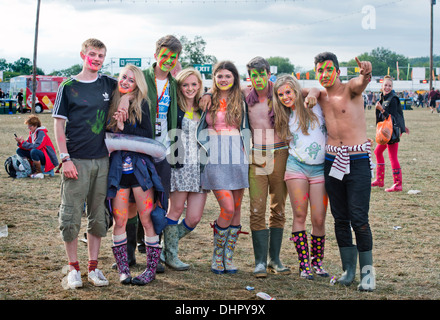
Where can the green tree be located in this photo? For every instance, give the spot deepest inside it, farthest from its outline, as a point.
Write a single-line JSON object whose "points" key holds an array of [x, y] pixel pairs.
{"points": [[283, 64], [73, 70], [24, 66], [193, 52]]}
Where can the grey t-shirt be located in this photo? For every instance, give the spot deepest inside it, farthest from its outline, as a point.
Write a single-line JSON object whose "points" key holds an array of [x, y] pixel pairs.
{"points": [[85, 106]]}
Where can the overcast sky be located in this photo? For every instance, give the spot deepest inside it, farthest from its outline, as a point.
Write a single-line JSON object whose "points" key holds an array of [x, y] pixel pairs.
{"points": [[234, 30]]}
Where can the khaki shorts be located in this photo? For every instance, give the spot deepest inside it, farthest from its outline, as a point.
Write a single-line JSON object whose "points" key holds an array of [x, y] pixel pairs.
{"points": [[91, 189]]}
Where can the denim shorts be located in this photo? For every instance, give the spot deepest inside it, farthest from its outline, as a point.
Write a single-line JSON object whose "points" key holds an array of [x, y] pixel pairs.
{"points": [[314, 173]]}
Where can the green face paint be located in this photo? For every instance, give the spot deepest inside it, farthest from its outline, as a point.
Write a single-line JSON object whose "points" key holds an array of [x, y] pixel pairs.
{"points": [[259, 79], [167, 59], [326, 73]]}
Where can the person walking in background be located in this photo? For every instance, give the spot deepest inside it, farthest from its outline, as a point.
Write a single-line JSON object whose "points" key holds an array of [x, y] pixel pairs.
{"points": [[389, 105], [185, 173], [304, 171], [80, 112], [38, 147], [224, 133]]}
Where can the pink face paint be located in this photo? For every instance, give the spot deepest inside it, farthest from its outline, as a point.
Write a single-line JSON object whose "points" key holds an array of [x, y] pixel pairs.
{"points": [[92, 66], [287, 96]]}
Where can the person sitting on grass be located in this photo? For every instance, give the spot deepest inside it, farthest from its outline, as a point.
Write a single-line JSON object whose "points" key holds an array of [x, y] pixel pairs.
{"points": [[38, 148]]}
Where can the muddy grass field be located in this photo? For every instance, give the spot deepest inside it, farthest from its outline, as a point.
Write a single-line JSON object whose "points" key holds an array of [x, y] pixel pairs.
{"points": [[406, 233]]}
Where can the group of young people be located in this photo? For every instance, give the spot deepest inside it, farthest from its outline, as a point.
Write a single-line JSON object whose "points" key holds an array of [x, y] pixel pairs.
{"points": [[276, 139]]}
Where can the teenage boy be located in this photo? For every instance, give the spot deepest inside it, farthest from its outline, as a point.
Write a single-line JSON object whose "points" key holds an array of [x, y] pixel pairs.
{"points": [[266, 172], [348, 165], [162, 93], [80, 112]]}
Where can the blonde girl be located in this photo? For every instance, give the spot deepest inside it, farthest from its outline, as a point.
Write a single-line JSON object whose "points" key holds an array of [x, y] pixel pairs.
{"points": [[305, 128], [185, 173], [132, 173]]}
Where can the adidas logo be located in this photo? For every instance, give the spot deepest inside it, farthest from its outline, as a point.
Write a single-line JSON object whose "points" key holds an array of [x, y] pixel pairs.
{"points": [[106, 96]]}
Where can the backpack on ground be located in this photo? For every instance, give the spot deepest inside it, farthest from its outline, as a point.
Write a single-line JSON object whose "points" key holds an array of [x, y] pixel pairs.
{"points": [[18, 167]]}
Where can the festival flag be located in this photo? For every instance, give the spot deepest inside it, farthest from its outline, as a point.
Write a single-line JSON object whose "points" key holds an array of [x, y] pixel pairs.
{"points": [[397, 67]]}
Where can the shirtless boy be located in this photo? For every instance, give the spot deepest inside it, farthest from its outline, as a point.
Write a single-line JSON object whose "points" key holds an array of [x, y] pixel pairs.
{"points": [[348, 165], [266, 172]]}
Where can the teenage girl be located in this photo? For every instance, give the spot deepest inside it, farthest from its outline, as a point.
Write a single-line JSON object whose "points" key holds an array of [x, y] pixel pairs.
{"points": [[224, 134], [305, 128], [132, 172]]}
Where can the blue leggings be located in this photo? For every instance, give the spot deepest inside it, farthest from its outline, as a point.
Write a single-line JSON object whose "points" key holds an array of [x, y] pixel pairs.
{"points": [[34, 155]]}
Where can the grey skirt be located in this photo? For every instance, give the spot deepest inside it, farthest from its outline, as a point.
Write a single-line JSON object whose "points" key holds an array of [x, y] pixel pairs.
{"points": [[227, 166]]}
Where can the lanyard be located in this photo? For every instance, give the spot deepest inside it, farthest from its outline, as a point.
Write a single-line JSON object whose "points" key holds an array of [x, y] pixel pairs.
{"points": [[158, 99]]}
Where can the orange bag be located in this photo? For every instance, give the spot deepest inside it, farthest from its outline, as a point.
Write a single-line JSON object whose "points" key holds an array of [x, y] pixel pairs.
{"points": [[384, 131]]}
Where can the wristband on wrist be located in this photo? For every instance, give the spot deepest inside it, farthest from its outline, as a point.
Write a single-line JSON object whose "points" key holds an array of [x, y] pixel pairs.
{"points": [[65, 160]]}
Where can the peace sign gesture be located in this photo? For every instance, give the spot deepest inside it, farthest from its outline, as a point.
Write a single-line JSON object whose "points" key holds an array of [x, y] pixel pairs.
{"points": [[365, 67]]}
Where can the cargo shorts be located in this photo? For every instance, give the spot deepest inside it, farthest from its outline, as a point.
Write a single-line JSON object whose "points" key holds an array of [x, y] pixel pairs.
{"points": [[87, 192]]}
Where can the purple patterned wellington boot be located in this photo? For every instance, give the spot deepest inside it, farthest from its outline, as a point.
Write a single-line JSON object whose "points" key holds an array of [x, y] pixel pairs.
{"points": [[153, 255], [120, 254]]}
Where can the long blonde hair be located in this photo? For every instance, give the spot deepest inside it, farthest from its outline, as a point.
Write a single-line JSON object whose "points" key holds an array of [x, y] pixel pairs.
{"points": [[305, 116], [234, 111], [181, 77], [139, 95]]}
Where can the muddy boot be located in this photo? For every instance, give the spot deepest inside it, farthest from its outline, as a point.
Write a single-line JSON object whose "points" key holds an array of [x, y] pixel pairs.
{"points": [[349, 261], [171, 243], [260, 241], [275, 239], [368, 275]]}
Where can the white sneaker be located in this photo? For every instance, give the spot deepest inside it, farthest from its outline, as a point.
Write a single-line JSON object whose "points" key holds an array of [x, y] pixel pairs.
{"points": [[97, 278], [37, 176], [74, 279]]}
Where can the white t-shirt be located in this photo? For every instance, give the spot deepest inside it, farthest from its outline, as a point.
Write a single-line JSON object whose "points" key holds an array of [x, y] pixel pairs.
{"points": [[309, 149], [164, 104]]}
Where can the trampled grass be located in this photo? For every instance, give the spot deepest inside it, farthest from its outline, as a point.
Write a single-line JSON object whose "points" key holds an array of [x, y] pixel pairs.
{"points": [[406, 231]]}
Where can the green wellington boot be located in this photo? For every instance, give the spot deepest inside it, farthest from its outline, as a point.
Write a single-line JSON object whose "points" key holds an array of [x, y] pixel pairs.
{"points": [[349, 262], [368, 275], [260, 241], [275, 239]]}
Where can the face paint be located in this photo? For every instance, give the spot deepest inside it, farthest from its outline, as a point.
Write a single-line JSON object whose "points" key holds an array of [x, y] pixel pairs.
{"points": [[94, 58], [190, 87], [224, 79], [127, 82], [167, 59], [259, 79], [326, 73], [287, 96]]}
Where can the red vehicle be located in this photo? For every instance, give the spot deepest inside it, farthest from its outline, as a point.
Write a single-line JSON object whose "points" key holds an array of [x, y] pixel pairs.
{"points": [[47, 87]]}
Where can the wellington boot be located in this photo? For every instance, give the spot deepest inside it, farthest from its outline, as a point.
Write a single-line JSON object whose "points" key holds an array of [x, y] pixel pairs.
{"points": [[349, 262], [380, 176], [220, 234], [231, 242], [171, 242], [368, 274], [275, 240], [260, 241], [397, 178]]}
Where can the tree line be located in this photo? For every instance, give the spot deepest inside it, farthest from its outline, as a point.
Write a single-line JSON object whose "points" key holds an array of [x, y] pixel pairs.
{"points": [[384, 62]]}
